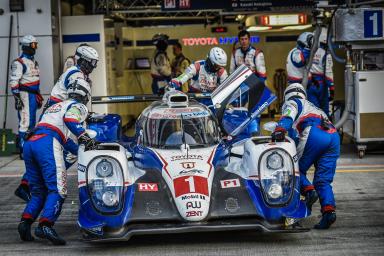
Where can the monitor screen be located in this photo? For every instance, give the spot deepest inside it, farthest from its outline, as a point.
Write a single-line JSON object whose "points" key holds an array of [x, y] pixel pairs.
{"points": [[142, 63]]}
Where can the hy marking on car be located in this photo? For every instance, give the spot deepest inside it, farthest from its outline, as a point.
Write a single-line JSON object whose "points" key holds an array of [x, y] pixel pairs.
{"points": [[147, 187]]}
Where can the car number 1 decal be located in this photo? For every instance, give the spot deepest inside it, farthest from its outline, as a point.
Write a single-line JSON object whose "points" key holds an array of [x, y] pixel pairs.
{"points": [[190, 184]]}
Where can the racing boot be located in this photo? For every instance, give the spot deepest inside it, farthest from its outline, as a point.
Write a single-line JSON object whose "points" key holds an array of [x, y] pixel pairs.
{"points": [[310, 198], [326, 221], [23, 192], [24, 230], [47, 232]]}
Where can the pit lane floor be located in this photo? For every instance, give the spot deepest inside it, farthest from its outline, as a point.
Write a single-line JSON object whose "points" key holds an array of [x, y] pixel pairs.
{"points": [[359, 229]]}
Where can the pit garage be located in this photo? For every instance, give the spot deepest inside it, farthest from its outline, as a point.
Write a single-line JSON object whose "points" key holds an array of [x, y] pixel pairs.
{"points": [[123, 33]]}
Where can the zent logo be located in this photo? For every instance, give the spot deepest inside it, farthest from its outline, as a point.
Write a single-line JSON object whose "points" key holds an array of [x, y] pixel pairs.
{"points": [[194, 213]]}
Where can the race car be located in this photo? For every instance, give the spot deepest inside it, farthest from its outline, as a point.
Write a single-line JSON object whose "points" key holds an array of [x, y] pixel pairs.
{"points": [[184, 173]]}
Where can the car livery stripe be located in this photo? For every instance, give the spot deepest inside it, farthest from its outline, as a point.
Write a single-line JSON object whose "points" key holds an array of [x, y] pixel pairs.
{"points": [[210, 159], [165, 164]]}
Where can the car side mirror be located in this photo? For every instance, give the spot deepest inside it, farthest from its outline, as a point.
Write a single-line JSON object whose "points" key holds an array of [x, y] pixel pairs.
{"points": [[270, 126]]}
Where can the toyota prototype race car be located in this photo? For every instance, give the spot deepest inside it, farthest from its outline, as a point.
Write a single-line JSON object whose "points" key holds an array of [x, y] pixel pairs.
{"points": [[185, 171]]}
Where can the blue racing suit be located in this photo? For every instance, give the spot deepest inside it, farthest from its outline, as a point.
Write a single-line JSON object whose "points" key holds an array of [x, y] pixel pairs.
{"points": [[322, 80], [25, 83], [319, 144], [44, 160]]}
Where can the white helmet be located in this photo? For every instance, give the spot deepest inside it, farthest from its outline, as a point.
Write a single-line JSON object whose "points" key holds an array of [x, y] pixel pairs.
{"points": [[79, 90], [305, 40], [27, 40], [295, 90], [323, 35], [218, 56], [87, 58]]}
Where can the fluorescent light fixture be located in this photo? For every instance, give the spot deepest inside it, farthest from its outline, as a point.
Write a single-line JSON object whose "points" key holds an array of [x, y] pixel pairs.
{"points": [[283, 19], [258, 28], [299, 27]]}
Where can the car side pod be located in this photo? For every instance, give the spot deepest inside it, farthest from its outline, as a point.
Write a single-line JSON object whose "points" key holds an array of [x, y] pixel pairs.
{"points": [[273, 178], [105, 178]]}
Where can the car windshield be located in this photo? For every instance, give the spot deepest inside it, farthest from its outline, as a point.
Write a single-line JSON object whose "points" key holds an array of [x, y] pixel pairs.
{"points": [[171, 133]]}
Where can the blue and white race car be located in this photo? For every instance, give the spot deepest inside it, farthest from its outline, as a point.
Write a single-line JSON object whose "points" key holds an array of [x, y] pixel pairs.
{"points": [[181, 175]]}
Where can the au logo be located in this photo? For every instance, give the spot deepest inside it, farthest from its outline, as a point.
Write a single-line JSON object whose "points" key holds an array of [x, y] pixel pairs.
{"points": [[188, 165]]}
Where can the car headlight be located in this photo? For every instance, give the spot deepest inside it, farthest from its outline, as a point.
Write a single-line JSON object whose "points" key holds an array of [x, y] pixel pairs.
{"points": [[105, 184], [276, 174], [275, 161], [104, 168]]}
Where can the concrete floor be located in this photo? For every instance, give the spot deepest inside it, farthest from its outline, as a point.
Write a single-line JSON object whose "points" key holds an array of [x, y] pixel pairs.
{"points": [[359, 229]]}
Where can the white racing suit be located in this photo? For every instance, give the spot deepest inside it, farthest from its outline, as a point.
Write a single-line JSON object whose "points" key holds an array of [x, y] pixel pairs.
{"points": [[44, 160], [321, 86], [201, 79], [252, 58], [25, 81], [59, 91], [160, 71], [296, 60]]}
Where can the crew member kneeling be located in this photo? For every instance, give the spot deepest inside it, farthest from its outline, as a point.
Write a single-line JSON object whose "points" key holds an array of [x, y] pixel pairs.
{"points": [[44, 162], [319, 144]]}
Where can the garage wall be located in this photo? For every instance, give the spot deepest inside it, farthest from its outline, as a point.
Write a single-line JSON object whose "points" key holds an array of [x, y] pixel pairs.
{"points": [[88, 29], [39, 20], [131, 81]]}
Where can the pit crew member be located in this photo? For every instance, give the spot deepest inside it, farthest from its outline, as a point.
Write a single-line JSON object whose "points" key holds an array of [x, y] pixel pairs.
{"points": [[160, 65], [25, 85], [321, 90], [70, 61], [248, 55], [205, 75], [319, 144], [86, 60], [44, 161], [297, 58]]}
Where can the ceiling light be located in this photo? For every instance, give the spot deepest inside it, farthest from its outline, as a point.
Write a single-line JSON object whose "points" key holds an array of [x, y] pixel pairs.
{"points": [[300, 27], [240, 17], [258, 28]]}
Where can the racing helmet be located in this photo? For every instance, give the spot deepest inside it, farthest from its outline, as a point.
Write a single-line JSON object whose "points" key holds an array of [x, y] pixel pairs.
{"points": [[29, 44], [295, 90], [305, 40], [161, 41], [86, 58], [79, 90], [217, 58]]}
